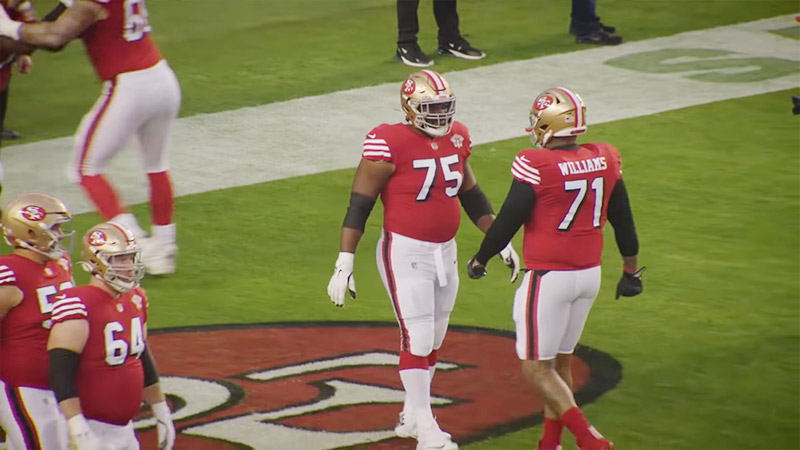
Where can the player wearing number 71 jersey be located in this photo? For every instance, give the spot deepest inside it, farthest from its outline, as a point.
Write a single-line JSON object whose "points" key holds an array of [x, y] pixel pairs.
{"points": [[100, 366], [141, 97], [30, 278], [563, 194]]}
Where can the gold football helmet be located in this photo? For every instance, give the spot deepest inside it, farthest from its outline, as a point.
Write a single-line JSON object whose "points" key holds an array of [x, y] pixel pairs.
{"points": [[34, 221], [110, 252], [556, 112], [428, 103]]}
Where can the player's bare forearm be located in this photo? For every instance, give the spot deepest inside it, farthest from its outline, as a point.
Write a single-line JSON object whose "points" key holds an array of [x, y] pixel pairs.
{"points": [[153, 394], [630, 263], [9, 46], [70, 407], [349, 239], [68, 27]]}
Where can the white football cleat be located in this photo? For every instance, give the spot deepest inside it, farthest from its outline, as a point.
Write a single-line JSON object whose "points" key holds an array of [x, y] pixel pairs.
{"points": [[432, 437], [158, 258], [407, 427]]}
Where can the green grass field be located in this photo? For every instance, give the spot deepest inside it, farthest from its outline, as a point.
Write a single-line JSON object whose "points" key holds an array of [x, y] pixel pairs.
{"points": [[710, 351]]}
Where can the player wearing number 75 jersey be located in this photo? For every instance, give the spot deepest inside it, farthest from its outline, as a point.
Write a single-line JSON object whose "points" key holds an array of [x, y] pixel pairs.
{"points": [[421, 171], [100, 366], [140, 98], [562, 193], [30, 278]]}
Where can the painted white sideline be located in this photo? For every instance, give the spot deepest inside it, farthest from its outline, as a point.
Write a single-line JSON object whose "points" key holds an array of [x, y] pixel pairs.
{"points": [[322, 133]]}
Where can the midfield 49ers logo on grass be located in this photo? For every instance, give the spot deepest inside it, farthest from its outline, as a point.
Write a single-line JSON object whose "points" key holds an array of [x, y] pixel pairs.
{"points": [[331, 385]]}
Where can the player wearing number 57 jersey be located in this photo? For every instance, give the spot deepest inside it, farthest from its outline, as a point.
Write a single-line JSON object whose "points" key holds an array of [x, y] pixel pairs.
{"points": [[140, 98], [421, 172], [562, 193], [100, 366], [30, 278]]}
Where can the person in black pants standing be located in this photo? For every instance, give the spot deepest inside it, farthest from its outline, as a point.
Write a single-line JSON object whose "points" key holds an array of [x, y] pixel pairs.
{"points": [[585, 25], [451, 42]]}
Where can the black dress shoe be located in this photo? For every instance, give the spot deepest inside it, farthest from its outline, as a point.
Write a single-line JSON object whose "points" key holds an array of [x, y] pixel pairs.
{"points": [[599, 37], [9, 134]]}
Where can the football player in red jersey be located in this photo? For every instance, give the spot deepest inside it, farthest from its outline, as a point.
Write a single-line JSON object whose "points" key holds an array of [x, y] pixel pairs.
{"points": [[421, 171], [30, 277], [141, 97], [562, 193], [100, 365]]}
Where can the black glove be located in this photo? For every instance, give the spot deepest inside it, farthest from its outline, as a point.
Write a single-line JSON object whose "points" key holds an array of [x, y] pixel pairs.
{"points": [[475, 269], [630, 284]]}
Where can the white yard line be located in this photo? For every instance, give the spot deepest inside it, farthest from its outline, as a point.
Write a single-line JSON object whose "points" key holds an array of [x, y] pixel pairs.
{"points": [[322, 133]]}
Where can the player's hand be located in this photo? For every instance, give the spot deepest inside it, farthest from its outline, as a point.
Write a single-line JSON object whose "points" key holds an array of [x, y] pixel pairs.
{"points": [[511, 259], [81, 436], [342, 280], [475, 270], [165, 429], [630, 284], [25, 64]]}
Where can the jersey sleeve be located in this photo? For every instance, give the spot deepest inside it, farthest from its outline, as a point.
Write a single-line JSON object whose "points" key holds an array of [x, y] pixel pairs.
{"points": [[523, 169], [376, 147], [7, 275], [67, 307]]}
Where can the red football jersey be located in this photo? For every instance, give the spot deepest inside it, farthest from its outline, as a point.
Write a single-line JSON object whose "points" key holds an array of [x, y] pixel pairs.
{"points": [[110, 379], [25, 328], [421, 199], [121, 42], [23, 13], [565, 230]]}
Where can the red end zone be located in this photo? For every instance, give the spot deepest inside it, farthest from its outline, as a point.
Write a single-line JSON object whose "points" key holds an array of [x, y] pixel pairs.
{"points": [[327, 385]]}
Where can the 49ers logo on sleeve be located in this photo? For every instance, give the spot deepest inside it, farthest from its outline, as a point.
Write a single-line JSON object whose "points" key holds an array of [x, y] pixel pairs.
{"points": [[96, 238], [33, 213], [330, 385], [409, 86], [543, 102]]}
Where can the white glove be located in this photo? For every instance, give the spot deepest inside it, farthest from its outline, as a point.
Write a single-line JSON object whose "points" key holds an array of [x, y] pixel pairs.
{"points": [[8, 27], [68, 3], [342, 279], [81, 436], [164, 425], [511, 259]]}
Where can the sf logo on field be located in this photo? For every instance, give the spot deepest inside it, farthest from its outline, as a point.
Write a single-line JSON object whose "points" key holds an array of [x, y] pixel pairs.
{"points": [[328, 385]]}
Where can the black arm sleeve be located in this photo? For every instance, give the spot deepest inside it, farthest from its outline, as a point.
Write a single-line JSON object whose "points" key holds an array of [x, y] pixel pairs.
{"points": [[621, 218], [475, 203], [358, 211], [515, 211], [61, 372], [149, 368], [55, 13]]}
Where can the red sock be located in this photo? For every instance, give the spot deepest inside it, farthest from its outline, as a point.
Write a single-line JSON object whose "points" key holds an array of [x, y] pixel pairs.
{"points": [[162, 201], [551, 438], [574, 419], [102, 195], [411, 361], [432, 358]]}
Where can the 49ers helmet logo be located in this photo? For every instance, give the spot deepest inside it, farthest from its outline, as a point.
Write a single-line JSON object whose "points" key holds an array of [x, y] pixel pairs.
{"points": [[409, 86], [543, 102], [96, 238], [33, 213], [330, 385]]}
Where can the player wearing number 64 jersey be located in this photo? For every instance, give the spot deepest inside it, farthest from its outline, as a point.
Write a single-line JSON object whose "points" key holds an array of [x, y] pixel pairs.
{"points": [[30, 278], [100, 366], [140, 98], [562, 193]]}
